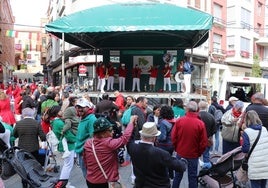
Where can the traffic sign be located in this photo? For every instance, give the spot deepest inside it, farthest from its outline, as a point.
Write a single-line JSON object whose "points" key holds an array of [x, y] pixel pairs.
{"points": [[82, 69]]}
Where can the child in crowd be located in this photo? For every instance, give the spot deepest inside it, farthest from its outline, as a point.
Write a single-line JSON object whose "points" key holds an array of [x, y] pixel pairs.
{"points": [[71, 121]]}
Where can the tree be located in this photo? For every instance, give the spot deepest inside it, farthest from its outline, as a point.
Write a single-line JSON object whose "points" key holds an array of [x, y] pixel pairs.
{"points": [[256, 68]]}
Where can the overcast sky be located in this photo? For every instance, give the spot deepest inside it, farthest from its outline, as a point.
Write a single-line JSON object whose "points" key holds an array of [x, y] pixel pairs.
{"points": [[29, 12]]}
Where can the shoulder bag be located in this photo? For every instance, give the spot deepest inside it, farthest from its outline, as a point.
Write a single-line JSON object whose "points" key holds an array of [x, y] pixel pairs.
{"points": [[110, 184], [242, 172]]}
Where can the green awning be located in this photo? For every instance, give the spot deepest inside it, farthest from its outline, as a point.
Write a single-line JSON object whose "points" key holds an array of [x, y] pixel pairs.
{"points": [[133, 26]]}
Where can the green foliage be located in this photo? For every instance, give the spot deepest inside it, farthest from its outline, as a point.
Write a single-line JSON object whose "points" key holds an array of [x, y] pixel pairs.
{"points": [[256, 68]]}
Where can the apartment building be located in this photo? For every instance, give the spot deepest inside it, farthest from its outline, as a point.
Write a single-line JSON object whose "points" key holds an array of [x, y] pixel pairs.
{"points": [[7, 55]]}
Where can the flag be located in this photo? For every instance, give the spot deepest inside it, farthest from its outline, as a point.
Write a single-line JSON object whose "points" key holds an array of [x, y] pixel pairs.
{"points": [[10, 33]]}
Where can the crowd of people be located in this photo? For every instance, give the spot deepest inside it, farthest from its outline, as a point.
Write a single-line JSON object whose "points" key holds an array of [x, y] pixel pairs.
{"points": [[159, 144]]}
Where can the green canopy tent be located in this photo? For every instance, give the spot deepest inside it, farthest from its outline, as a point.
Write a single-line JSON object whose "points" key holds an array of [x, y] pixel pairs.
{"points": [[134, 26]]}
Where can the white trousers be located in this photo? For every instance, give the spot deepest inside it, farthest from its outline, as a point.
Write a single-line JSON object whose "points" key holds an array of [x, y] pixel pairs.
{"points": [[187, 82], [136, 81], [167, 82], [99, 83], [122, 83], [68, 163], [110, 83], [102, 84]]}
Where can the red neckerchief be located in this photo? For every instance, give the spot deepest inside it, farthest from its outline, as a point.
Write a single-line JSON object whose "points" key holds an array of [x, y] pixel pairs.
{"points": [[236, 113]]}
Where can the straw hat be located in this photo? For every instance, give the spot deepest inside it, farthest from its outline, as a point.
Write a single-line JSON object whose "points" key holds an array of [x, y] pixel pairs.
{"points": [[149, 129]]}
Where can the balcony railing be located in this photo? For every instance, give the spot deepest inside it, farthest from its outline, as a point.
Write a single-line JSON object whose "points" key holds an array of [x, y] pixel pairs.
{"points": [[219, 21]]}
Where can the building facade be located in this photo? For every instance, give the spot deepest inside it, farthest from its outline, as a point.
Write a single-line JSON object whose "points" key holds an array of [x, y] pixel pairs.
{"points": [[7, 55]]}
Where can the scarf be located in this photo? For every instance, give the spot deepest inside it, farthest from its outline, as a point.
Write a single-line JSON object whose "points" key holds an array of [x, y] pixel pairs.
{"points": [[236, 113]]}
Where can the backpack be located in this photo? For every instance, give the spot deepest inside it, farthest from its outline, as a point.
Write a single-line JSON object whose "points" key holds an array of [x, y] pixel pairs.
{"points": [[126, 116], [218, 115]]}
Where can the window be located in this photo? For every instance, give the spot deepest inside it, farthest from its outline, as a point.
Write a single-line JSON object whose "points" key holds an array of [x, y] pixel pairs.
{"points": [[231, 15], [217, 11], [244, 44], [265, 56], [245, 18], [231, 42], [217, 42]]}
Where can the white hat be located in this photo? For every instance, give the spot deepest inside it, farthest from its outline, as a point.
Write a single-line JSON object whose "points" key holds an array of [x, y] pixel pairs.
{"points": [[83, 103], [233, 99], [149, 129]]}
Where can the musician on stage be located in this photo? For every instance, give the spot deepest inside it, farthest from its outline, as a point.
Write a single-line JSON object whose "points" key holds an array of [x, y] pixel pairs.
{"points": [[153, 75], [180, 81], [167, 74]]}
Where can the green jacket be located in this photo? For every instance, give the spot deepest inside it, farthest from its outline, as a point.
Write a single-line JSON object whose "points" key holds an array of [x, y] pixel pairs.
{"points": [[85, 131], [57, 126], [9, 127]]}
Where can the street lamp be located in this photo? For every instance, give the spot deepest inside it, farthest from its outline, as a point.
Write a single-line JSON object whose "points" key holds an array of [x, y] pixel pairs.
{"points": [[62, 62]]}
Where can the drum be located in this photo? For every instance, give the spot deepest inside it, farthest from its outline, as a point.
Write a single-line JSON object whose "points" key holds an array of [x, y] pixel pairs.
{"points": [[179, 77]]}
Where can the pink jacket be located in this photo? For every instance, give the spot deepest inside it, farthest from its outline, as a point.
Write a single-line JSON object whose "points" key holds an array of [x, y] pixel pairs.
{"points": [[106, 150]]}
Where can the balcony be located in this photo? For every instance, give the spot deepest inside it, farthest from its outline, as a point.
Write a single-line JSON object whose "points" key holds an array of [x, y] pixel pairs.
{"points": [[219, 22], [244, 54], [218, 53], [263, 41], [230, 53]]}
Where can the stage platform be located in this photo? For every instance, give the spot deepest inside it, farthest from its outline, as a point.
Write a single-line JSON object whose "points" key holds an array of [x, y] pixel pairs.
{"points": [[161, 97]]}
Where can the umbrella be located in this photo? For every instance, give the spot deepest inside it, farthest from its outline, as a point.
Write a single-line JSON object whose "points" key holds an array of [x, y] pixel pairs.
{"points": [[38, 74]]}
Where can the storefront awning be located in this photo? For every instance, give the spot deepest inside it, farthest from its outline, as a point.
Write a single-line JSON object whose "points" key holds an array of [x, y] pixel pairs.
{"points": [[134, 26]]}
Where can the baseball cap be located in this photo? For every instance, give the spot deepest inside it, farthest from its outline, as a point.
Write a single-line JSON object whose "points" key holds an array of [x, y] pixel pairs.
{"points": [[233, 99], [83, 103], [101, 124]]}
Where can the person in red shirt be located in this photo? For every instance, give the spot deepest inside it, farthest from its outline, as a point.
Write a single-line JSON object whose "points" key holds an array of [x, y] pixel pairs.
{"points": [[102, 76], [122, 73], [189, 138], [33, 87], [136, 74], [153, 75], [110, 83], [167, 74], [120, 102]]}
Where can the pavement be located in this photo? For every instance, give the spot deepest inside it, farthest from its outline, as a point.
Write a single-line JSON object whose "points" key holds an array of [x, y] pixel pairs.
{"points": [[77, 180]]}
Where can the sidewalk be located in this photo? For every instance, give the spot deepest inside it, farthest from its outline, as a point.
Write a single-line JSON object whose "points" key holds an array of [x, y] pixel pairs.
{"points": [[77, 180]]}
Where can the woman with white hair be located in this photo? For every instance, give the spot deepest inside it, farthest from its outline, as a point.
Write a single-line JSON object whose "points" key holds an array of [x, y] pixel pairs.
{"points": [[28, 131], [230, 127]]}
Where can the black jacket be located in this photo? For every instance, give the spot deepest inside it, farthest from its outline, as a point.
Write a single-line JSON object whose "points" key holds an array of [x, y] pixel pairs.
{"points": [[150, 165], [28, 131], [209, 121]]}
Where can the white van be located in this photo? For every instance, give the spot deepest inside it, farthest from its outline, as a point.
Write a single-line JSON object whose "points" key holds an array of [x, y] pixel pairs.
{"points": [[242, 88]]}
